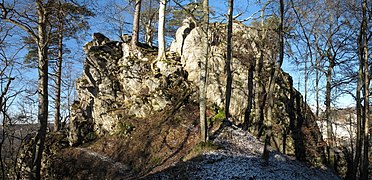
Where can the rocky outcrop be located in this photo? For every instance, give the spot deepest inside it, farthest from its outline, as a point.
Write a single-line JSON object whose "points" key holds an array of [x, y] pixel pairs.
{"points": [[295, 128], [119, 82]]}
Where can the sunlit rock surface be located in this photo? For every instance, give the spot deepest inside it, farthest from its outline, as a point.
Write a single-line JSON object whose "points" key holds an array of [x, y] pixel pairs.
{"points": [[137, 116], [119, 82], [295, 128]]}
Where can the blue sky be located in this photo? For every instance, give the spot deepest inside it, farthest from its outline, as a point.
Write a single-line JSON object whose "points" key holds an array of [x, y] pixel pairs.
{"points": [[100, 23]]}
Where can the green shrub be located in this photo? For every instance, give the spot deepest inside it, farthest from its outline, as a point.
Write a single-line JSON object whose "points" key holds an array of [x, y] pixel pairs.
{"points": [[125, 129], [220, 115]]}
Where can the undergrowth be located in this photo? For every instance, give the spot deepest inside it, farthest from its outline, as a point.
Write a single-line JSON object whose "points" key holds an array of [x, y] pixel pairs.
{"points": [[200, 149]]}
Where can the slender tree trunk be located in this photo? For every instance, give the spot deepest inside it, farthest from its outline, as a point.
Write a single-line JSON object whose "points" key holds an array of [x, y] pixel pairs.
{"points": [[149, 33], [1, 147], [305, 95], [317, 79], [203, 75], [161, 33], [364, 168], [277, 68], [349, 155], [229, 57], [42, 49], [42, 89], [3, 107], [358, 148], [308, 56], [317, 88], [259, 92], [259, 95], [136, 22], [330, 152], [248, 110], [57, 115], [148, 27], [361, 158]]}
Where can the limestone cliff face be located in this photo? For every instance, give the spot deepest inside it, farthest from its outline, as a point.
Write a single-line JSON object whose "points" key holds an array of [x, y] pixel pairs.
{"points": [[294, 126], [119, 82]]}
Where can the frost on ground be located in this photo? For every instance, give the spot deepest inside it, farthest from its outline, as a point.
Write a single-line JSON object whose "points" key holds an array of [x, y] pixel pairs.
{"points": [[240, 158]]}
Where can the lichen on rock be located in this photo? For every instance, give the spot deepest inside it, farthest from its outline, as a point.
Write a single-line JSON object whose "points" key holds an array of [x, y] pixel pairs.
{"points": [[118, 82], [295, 128]]}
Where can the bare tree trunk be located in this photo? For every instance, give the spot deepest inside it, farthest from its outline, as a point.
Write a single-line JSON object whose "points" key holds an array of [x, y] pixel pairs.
{"points": [[1, 148], [349, 155], [276, 69], [308, 56], [3, 111], [259, 95], [361, 110], [136, 22], [229, 57], [161, 29], [149, 32], [248, 110], [57, 115], [317, 87], [203, 76], [358, 148], [330, 152], [305, 88], [364, 168], [42, 47], [42, 88]]}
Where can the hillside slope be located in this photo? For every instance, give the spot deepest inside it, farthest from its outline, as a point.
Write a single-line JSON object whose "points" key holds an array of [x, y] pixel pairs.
{"points": [[240, 158], [236, 154], [136, 115]]}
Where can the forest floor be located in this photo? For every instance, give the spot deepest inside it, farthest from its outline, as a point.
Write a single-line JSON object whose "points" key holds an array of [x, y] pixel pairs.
{"points": [[239, 157]]}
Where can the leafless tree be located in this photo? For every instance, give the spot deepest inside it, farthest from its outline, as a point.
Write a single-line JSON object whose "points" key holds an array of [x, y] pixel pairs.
{"points": [[136, 23], [363, 51], [229, 56], [40, 36], [274, 75], [9, 71], [161, 30], [203, 75]]}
